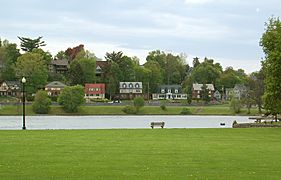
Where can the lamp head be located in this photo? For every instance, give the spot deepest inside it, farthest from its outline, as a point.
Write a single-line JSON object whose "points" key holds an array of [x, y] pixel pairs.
{"points": [[23, 80]]}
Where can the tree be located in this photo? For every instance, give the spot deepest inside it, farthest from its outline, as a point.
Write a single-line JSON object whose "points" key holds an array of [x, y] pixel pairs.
{"points": [[42, 102], [88, 66], [76, 74], [71, 53], [173, 68], [205, 94], [271, 44], [31, 66], [138, 103], [114, 56], [28, 44], [71, 98], [206, 72], [8, 56], [46, 56], [82, 69], [257, 86], [155, 75], [235, 105], [61, 55]]}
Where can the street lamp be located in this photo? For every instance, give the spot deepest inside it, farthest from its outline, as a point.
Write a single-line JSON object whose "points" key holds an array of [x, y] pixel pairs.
{"points": [[23, 80]]}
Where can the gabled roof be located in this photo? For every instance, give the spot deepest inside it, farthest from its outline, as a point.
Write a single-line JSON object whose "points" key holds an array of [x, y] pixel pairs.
{"points": [[198, 87], [13, 85], [55, 84], [174, 86], [60, 62], [101, 64], [135, 85]]}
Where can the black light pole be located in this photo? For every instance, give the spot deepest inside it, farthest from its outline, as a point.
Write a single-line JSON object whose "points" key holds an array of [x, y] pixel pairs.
{"points": [[23, 80]]}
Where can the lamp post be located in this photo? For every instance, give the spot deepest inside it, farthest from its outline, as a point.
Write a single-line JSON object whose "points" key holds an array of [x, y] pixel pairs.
{"points": [[23, 80]]}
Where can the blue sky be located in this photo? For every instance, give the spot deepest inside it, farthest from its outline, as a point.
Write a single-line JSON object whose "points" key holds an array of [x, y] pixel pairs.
{"points": [[227, 31]]}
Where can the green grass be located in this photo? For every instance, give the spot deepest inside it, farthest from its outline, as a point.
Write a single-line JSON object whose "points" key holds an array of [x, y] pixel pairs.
{"points": [[117, 110], [141, 154]]}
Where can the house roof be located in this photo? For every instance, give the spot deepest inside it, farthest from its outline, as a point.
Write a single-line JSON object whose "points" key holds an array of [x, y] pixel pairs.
{"points": [[198, 87], [175, 86], [127, 84], [60, 62], [13, 85], [88, 85], [101, 64], [55, 84]]}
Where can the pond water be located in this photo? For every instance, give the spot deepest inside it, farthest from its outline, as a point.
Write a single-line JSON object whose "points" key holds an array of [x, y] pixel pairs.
{"points": [[118, 122]]}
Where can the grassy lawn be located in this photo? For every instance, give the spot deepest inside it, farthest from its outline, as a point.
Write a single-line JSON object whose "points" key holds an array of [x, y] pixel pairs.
{"points": [[117, 110], [141, 154]]}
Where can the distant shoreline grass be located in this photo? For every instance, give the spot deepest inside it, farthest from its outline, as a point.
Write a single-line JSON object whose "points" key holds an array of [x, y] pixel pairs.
{"points": [[141, 154], [117, 110]]}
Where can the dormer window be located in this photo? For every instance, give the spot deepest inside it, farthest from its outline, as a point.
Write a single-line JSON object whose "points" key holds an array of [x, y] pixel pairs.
{"points": [[176, 91], [130, 85], [169, 91], [137, 85], [162, 91], [124, 85]]}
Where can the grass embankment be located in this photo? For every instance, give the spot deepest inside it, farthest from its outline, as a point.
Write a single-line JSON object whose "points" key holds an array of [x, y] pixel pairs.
{"points": [[141, 154], [117, 110]]}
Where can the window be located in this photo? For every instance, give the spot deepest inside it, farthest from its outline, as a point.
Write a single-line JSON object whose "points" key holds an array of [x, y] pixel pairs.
{"points": [[176, 91], [137, 85], [169, 90], [124, 85], [162, 91], [130, 85]]}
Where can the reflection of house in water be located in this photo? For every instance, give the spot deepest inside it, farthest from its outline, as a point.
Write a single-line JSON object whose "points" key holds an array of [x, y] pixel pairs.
{"points": [[169, 92], [54, 88]]}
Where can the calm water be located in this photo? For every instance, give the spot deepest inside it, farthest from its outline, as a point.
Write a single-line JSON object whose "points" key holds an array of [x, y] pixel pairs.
{"points": [[117, 122]]}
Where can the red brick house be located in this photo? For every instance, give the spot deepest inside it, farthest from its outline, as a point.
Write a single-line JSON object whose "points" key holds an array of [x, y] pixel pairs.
{"points": [[95, 91], [197, 91]]}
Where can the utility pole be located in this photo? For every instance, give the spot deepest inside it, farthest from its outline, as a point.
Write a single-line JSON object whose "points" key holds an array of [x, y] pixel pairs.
{"points": [[148, 92]]}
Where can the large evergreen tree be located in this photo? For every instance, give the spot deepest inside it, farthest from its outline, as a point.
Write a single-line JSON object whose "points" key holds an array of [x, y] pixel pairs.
{"points": [[28, 44]]}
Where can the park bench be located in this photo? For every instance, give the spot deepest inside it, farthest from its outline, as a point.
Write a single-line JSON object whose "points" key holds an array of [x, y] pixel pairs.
{"points": [[155, 124]]}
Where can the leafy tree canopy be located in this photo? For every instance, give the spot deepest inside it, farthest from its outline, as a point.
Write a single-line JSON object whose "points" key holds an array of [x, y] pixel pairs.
{"points": [[271, 44]]}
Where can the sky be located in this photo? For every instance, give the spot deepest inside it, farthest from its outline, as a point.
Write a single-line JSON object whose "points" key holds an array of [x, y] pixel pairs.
{"points": [[227, 31]]}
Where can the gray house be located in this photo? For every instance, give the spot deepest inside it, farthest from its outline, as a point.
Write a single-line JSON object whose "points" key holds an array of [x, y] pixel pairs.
{"points": [[238, 91]]}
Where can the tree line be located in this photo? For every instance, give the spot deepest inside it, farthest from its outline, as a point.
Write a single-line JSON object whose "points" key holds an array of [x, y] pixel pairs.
{"points": [[263, 86]]}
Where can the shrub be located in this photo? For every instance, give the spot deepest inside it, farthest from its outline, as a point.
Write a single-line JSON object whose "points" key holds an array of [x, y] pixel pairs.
{"points": [[235, 105], [54, 98], [129, 110], [185, 111], [138, 103], [42, 102], [163, 107], [71, 98]]}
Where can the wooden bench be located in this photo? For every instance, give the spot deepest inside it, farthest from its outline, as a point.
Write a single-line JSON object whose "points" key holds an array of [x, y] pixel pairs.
{"points": [[159, 124]]}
